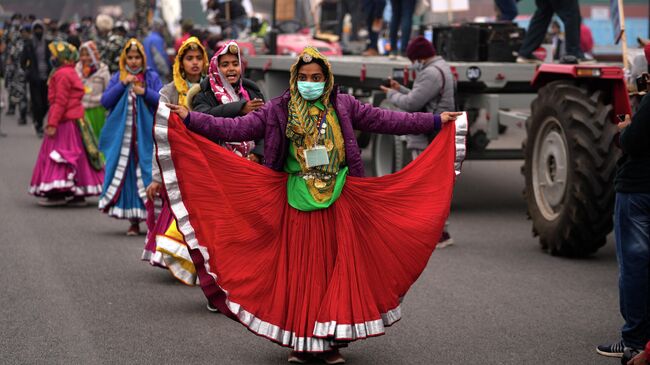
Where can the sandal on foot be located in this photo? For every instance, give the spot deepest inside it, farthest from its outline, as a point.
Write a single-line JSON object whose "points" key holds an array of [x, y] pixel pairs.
{"points": [[52, 202], [212, 309], [333, 357], [134, 230], [78, 201], [299, 357]]}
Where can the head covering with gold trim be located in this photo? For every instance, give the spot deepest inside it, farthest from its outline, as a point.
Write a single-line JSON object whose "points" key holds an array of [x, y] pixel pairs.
{"points": [[304, 118], [64, 52], [180, 82], [223, 91], [299, 117], [123, 67]]}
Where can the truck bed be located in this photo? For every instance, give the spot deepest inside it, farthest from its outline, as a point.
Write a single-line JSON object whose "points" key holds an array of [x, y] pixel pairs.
{"points": [[481, 75]]}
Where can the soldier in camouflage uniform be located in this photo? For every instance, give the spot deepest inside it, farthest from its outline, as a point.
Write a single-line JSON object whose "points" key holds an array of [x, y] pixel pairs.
{"points": [[88, 31], [113, 48], [11, 37], [51, 28], [17, 79], [104, 26], [62, 33]]}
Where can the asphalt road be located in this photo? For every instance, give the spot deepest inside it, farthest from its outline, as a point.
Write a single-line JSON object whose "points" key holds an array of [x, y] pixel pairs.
{"points": [[74, 291]]}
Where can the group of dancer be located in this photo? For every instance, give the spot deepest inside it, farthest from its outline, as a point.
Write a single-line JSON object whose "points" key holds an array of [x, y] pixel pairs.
{"points": [[261, 203]]}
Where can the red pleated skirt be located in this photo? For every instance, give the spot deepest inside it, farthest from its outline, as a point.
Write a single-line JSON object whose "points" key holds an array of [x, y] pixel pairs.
{"points": [[311, 281]]}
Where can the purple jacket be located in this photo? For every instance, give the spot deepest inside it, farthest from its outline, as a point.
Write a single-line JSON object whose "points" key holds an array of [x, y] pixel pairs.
{"points": [[270, 123]]}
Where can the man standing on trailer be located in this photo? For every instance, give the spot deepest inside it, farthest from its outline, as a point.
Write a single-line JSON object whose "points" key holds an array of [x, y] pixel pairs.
{"points": [[569, 12], [507, 10]]}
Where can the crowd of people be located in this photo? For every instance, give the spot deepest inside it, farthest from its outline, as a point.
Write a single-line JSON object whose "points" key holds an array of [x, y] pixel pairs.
{"points": [[24, 55]]}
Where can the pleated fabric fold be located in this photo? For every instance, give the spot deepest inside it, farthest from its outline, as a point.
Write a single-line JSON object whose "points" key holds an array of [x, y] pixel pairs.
{"points": [[315, 280], [159, 217]]}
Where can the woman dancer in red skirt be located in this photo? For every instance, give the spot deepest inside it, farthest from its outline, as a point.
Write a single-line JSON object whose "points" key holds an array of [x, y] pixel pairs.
{"points": [[305, 251]]}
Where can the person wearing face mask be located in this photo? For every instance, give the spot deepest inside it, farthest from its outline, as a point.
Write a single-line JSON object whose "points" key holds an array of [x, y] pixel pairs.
{"points": [[95, 76], [164, 245], [126, 139], [36, 58], [304, 251], [433, 87], [433, 91], [68, 167]]}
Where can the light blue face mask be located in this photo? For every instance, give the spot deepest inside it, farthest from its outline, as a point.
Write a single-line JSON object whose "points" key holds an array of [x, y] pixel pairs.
{"points": [[132, 71], [417, 66], [310, 90]]}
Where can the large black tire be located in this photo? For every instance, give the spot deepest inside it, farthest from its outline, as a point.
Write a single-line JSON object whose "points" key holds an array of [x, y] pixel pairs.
{"points": [[570, 162]]}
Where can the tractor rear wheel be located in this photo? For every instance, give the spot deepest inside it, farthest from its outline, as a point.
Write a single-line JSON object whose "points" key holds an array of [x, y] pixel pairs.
{"points": [[570, 161]]}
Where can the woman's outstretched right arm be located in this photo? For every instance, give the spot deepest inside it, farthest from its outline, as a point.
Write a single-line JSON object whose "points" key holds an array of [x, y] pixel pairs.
{"points": [[245, 128]]}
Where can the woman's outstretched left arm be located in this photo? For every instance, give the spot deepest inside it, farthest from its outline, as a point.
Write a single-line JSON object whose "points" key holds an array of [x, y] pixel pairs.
{"points": [[365, 117]]}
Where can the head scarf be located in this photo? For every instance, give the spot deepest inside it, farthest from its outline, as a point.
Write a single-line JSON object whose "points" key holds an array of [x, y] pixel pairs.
{"points": [[223, 91], [131, 42], [299, 121], [179, 80], [302, 128], [91, 48], [63, 52]]}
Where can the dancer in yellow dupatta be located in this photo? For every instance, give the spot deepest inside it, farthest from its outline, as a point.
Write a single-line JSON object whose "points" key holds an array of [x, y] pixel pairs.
{"points": [[164, 246]]}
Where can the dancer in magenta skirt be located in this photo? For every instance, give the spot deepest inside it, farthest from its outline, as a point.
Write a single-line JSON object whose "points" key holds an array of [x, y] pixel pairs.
{"points": [[69, 166]]}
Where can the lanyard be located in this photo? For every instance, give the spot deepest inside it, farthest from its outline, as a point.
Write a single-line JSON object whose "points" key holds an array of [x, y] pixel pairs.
{"points": [[320, 127]]}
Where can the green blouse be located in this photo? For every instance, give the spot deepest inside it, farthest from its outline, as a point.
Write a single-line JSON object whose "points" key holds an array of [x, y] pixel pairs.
{"points": [[298, 193]]}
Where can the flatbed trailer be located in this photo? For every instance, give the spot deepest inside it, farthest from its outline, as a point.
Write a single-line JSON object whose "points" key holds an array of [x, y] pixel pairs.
{"points": [[569, 150], [503, 90]]}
